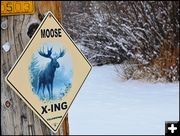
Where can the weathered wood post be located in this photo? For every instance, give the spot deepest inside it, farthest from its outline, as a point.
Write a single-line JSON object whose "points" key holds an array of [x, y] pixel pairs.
{"points": [[16, 117]]}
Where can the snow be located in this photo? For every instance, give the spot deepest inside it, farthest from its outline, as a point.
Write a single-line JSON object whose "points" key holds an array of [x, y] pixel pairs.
{"points": [[112, 48], [108, 105]]}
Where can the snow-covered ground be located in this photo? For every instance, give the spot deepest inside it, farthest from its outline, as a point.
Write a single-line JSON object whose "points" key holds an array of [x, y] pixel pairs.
{"points": [[108, 105]]}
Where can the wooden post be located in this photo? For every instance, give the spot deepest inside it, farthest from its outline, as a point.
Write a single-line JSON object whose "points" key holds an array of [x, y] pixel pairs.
{"points": [[16, 117]]}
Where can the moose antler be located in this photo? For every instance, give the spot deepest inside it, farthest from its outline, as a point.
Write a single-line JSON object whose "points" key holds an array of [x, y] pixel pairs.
{"points": [[48, 54], [61, 54]]}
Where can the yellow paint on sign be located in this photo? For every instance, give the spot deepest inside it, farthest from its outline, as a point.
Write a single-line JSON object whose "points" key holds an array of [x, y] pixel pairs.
{"points": [[16, 7]]}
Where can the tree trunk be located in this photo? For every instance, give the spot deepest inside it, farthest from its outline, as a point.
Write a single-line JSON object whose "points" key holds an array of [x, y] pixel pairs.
{"points": [[16, 117]]}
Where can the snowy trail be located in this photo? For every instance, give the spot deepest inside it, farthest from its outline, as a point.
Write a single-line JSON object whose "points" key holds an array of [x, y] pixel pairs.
{"points": [[108, 105]]}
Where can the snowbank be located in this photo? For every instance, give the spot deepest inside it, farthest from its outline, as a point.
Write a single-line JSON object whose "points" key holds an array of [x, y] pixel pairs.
{"points": [[108, 105]]}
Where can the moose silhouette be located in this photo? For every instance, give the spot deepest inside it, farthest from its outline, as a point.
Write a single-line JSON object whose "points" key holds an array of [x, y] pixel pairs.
{"points": [[46, 76]]}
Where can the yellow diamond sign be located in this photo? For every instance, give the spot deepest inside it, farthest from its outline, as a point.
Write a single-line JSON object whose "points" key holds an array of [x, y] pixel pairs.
{"points": [[49, 73]]}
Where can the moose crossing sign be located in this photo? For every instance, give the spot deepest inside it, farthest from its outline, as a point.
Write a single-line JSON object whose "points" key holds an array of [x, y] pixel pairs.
{"points": [[49, 73]]}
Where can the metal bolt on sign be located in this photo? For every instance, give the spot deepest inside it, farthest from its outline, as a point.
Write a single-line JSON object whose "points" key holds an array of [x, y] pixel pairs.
{"points": [[6, 46], [7, 104], [4, 25]]}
